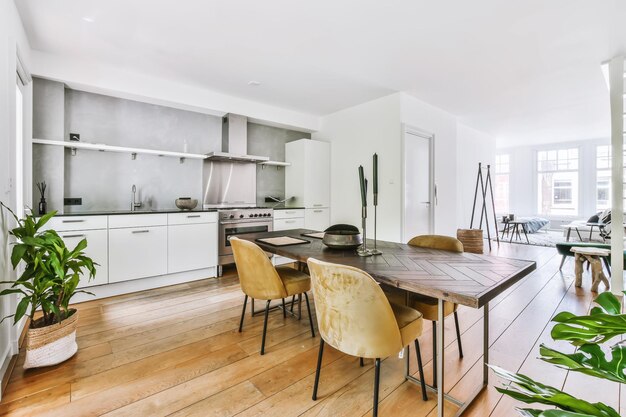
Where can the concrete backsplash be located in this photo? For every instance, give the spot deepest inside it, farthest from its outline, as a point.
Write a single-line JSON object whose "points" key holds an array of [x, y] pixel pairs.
{"points": [[270, 141], [104, 179]]}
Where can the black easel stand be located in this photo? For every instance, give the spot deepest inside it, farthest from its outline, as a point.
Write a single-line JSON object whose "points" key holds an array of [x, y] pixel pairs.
{"points": [[484, 185]]}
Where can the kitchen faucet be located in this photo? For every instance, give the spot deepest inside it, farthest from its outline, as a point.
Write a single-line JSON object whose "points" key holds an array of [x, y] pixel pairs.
{"points": [[133, 204]]}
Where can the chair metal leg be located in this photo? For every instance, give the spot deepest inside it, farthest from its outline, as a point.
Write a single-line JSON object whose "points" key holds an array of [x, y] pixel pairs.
{"points": [[308, 309], [420, 367], [299, 306], [434, 355], [317, 370], [267, 311], [293, 300], [284, 310], [243, 312], [562, 262], [361, 362], [376, 386], [458, 334]]}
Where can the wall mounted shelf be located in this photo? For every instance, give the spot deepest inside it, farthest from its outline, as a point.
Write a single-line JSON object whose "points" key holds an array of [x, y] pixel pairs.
{"points": [[120, 149], [277, 164]]}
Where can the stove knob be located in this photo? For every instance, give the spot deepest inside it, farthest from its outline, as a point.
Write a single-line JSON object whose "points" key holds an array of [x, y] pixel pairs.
{"points": [[256, 215], [232, 216], [241, 216], [251, 215]]}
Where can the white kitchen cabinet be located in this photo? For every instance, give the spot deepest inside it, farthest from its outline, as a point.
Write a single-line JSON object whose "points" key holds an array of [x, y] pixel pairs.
{"points": [[308, 177], [191, 241], [66, 223], [317, 219], [285, 220], [97, 249], [137, 252]]}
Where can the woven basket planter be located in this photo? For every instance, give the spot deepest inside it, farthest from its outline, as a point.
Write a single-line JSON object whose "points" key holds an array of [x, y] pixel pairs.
{"points": [[52, 344], [472, 239]]}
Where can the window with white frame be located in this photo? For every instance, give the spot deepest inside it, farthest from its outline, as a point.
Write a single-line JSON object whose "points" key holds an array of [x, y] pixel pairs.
{"points": [[501, 183], [557, 182], [603, 177]]}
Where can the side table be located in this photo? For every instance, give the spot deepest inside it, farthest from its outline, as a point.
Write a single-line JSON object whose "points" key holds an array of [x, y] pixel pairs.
{"points": [[594, 257]]}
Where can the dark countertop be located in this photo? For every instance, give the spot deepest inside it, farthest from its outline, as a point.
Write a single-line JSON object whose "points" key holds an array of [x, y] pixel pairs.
{"points": [[120, 212], [282, 208]]}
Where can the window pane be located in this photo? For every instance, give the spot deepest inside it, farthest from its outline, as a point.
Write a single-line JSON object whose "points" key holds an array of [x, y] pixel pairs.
{"points": [[558, 193]]}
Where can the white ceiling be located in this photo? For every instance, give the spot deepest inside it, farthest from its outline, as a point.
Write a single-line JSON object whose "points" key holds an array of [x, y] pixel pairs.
{"points": [[524, 71]]}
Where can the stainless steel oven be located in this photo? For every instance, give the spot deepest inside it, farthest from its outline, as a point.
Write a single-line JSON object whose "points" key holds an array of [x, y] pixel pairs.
{"points": [[238, 222]]}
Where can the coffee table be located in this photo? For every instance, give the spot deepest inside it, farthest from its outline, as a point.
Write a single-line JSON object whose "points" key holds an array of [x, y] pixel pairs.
{"points": [[594, 256], [514, 227]]}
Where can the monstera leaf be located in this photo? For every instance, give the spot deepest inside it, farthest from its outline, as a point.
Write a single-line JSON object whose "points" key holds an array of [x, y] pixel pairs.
{"points": [[590, 359], [525, 389], [603, 323]]}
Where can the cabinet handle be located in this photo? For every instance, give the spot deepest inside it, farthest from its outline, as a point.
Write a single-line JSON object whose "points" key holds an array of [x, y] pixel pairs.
{"points": [[289, 212], [290, 221], [318, 211], [71, 236], [140, 231], [72, 221], [193, 215], [318, 205]]}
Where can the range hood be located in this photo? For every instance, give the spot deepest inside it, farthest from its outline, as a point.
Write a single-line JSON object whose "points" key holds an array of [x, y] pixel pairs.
{"points": [[235, 141]]}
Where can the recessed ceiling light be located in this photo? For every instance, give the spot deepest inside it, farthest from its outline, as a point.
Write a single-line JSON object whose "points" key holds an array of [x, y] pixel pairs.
{"points": [[254, 83], [88, 19]]}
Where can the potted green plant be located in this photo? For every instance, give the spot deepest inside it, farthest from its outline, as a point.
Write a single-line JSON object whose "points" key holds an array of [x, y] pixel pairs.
{"points": [[588, 333], [51, 273]]}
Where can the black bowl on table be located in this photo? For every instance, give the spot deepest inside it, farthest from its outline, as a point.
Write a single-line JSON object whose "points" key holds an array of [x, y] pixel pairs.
{"points": [[342, 236]]}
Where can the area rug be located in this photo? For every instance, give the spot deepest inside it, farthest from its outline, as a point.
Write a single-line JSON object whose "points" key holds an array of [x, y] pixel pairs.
{"points": [[547, 238]]}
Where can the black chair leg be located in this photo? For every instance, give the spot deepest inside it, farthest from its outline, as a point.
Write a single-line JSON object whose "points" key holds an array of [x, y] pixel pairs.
{"points": [[308, 309], [434, 355], [376, 385], [293, 300], [267, 311], [284, 310], [317, 370], [361, 362], [562, 262], [458, 334], [243, 312], [420, 367]]}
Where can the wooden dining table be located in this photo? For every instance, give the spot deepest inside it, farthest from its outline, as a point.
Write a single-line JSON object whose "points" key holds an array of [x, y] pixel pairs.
{"points": [[463, 278]]}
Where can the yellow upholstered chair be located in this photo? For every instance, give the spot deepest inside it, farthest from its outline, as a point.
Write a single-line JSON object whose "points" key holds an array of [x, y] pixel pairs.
{"points": [[260, 280], [355, 317], [427, 305]]}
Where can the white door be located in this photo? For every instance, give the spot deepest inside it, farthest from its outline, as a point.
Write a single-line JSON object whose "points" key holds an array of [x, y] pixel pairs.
{"points": [[418, 184]]}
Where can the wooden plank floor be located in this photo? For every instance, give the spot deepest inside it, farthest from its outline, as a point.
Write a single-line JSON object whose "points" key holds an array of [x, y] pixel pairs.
{"points": [[176, 351]]}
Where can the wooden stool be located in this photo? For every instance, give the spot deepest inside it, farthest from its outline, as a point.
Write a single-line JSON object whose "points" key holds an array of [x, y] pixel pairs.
{"points": [[594, 257]]}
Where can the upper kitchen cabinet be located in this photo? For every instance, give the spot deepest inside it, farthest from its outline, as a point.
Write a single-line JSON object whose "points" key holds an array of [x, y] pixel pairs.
{"points": [[308, 177]]}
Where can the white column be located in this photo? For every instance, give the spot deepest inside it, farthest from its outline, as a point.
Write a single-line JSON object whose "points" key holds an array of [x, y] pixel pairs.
{"points": [[616, 77]]}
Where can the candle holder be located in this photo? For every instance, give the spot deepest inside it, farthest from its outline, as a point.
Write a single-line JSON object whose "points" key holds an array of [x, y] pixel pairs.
{"points": [[362, 250], [375, 251]]}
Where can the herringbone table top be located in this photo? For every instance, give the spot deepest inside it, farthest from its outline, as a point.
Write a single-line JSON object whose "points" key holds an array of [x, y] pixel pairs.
{"points": [[463, 278]]}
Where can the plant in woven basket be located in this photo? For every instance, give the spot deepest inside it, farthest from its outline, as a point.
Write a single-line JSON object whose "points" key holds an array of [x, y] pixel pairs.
{"points": [[49, 280], [587, 333]]}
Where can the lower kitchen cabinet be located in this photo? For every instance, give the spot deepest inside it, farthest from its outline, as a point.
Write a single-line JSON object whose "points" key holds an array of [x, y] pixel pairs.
{"points": [[191, 246], [317, 219], [97, 249], [137, 252]]}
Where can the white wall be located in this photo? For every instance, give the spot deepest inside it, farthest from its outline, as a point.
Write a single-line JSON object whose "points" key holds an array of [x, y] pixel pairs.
{"points": [[358, 132], [473, 147], [12, 36], [523, 179], [117, 82]]}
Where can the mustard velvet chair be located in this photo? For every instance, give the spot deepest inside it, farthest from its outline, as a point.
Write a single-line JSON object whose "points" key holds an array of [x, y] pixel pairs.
{"points": [[427, 305], [260, 280], [355, 317]]}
